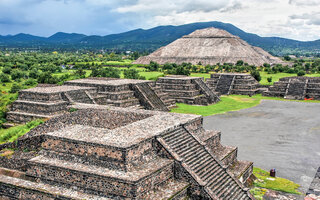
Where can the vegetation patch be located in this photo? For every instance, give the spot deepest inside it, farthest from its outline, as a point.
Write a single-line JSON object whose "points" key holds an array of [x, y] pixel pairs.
{"points": [[13, 133], [274, 183], [227, 103], [6, 153], [258, 193]]}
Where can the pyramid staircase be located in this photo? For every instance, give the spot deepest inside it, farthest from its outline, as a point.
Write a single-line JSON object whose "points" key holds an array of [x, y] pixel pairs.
{"points": [[149, 98], [202, 165], [230, 83], [295, 88], [189, 90]]}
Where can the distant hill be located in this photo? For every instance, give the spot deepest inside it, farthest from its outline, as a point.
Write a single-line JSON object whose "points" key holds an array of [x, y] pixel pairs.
{"points": [[151, 39]]}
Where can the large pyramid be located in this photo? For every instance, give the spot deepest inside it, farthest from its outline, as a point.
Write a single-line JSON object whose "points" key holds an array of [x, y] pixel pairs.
{"points": [[209, 46]]}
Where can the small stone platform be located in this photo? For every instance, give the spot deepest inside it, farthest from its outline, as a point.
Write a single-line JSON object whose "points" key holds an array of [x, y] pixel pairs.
{"points": [[189, 90], [233, 83], [47, 102], [127, 93], [297, 88], [120, 153]]}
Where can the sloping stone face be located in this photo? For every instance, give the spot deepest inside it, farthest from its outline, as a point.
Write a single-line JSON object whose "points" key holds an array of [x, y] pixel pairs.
{"points": [[120, 153], [295, 88], [190, 90], [48, 101], [233, 83], [209, 46]]}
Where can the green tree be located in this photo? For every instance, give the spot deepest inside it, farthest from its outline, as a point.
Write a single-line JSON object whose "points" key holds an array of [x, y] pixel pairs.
{"points": [[301, 73], [4, 78], [15, 88], [131, 74], [256, 75]]}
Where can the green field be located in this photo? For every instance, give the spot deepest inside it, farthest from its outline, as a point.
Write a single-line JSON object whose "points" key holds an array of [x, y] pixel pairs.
{"points": [[277, 183], [227, 103], [276, 77], [13, 133]]}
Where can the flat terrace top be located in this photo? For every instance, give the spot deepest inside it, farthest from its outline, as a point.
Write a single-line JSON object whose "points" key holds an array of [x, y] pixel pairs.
{"points": [[233, 74], [179, 77], [55, 89], [108, 81], [127, 135]]}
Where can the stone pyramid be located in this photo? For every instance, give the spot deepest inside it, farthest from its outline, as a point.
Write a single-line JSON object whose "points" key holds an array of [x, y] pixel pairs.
{"points": [[209, 46]]}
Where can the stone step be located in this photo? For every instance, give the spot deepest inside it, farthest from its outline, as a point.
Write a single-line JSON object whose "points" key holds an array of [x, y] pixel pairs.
{"points": [[102, 180], [241, 170], [226, 154], [43, 108], [171, 190], [15, 188], [118, 95], [182, 93], [164, 86], [200, 163], [22, 117]]}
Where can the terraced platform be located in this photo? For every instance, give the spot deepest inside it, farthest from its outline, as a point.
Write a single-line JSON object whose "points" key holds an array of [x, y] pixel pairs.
{"points": [[120, 153], [233, 83], [189, 90]]}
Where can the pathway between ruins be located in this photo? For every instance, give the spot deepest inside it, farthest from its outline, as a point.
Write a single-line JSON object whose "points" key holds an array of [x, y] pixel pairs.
{"points": [[275, 134]]}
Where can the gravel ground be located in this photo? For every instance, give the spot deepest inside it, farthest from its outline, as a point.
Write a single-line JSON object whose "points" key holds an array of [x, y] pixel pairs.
{"points": [[275, 134]]}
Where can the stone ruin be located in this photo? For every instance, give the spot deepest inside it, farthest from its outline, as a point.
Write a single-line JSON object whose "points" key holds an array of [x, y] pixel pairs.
{"points": [[233, 83], [46, 102], [314, 189], [50, 101], [297, 88], [210, 46], [121, 153], [189, 90]]}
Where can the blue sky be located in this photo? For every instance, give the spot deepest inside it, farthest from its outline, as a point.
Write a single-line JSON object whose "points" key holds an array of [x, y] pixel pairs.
{"points": [[296, 19]]}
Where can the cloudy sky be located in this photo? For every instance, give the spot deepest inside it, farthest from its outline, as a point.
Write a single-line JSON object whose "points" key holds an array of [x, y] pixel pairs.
{"points": [[295, 19]]}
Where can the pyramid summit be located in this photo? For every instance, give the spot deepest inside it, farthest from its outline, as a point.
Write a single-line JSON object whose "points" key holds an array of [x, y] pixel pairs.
{"points": [[209, 46]]}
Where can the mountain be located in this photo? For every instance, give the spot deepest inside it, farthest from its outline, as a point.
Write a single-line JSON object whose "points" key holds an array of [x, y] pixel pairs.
{"points": [[152, 39], [61, 37]]}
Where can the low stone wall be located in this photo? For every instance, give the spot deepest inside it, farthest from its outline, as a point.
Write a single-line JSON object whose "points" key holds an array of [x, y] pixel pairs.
{"points": [[39, 97], [46, 109]]}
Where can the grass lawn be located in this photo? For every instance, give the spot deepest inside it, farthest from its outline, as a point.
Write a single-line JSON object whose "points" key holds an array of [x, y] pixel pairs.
{"points": [[276, 77], [204, 75], [278, 184], [13, 133], [227, 103]]}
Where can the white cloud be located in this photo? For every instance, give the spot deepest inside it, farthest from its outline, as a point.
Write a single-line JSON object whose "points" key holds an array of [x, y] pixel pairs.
{"points": [[296, 19]]}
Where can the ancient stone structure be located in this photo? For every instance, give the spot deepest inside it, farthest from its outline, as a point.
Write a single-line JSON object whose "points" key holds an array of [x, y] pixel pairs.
{"points": [[295, 88], [127, 92], [121, 153], [315, 185], [233, 83], [189, 90], [45, 102], [210, 46]]}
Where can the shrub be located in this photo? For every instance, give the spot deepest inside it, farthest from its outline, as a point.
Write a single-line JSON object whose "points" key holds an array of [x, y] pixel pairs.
{"points": [[153, 66], [46, 77], [4, 78], [269, 79], [256, 75], [131, 74], [30, 82], [301, 73], [15, 88]]}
